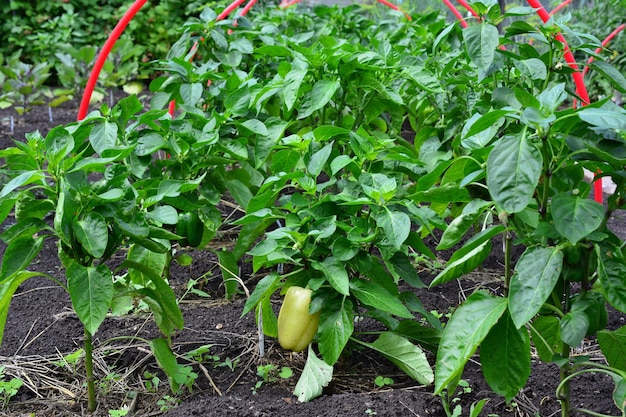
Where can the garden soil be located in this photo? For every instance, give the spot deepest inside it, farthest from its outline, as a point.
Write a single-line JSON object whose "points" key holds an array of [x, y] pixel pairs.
{"points": [[42, 332]]}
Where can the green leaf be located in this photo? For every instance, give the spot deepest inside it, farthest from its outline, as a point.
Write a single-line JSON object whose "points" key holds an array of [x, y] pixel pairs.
{"points": [[8, 287], [505, 358], [375, 295], [614, 76], [405, 355], [58, 144], [92, 233], [335, 328], [291, 87], [263, 289], [319, 159], [546, 334], [461, 223], [613, 346], [481, 41], [467, 328], [230, 272], [574, 326], [103, 136], [24, 178], [91, 292], [513, 170], [574, 217], [533, 68], [469, 257], [400, 266], [315, 376], [611, 271], [162, 300], [604, 117], [335, 274], [177, 374], [320, 95], [18, 255], [479, 129], [536, 274], [191, 93], [396, 225], [619, 393]]}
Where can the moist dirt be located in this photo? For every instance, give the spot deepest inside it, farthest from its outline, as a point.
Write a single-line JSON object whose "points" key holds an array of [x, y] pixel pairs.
{"points": [[42, 332]]}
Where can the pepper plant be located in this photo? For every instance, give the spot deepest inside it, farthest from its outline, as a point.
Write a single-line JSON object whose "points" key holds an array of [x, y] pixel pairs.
{"points": [[79, 187], [527, 147]]}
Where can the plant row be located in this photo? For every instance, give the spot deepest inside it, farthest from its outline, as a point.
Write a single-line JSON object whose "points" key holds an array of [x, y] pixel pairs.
{"points": [[347, 145]]}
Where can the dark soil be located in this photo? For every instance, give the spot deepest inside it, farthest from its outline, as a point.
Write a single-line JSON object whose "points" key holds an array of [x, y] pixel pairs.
{"points": [[41, 329]]}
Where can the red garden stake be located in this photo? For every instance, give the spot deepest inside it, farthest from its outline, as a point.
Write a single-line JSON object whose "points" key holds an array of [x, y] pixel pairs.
{"points": [[394, 7], [469, 8], [560, 6], [104, 53], [605, 42], [456, 13]]}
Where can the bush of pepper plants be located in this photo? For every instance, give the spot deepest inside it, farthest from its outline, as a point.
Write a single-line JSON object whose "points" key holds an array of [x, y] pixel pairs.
{"points": [[306, 130]]}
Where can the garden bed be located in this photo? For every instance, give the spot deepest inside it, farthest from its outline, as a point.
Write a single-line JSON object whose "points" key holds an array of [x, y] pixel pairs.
{"points": [[41, 330]]}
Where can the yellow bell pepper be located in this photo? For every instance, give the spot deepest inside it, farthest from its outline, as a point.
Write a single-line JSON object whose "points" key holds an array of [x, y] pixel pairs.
{"points": [[296, 326]]}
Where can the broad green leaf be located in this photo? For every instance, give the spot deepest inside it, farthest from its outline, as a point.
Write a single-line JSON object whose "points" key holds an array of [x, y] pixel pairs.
{"points": [[18, 255], [405, 355], [7, 289], [318, 160], [546, 334], [375, 295], [92, 233], [152, 262], [255, 126], [320, 95], [574, 326], [163, 214], [24, 178], [335, 274], [263, 289], [177, 374], [575, 217], [481, 41], [536, 274], [335, 328], [162, 300], [238, 102], [459, 226], [291, 86], [619, 393], [58, 143], [230, 272], [315, 376], [401, 267], [513, 170], [103, 136], [479, 129], [191, 93], [466, 329], [91, 292], [325, 132], [609, 118], [396, 226], [613, 346], [614, 76], [469, 257], [505, 358], [533, 68], [344, 249], [611, 272]]}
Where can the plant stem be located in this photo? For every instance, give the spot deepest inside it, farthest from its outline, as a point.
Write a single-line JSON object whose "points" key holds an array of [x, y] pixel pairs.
{"points": [[91, 389], [565, 369], [507, 262]]}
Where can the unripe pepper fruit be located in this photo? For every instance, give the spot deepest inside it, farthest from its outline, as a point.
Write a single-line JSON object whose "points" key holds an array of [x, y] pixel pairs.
{"points": [[296, 326], [190, 227]]}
